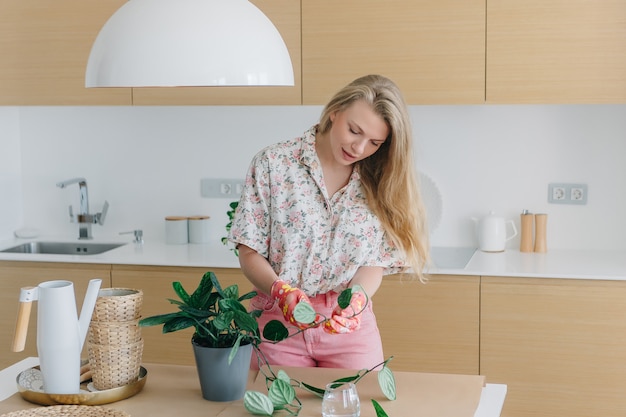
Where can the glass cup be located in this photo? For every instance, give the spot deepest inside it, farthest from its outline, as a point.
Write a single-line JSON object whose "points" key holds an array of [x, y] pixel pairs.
{"points": [[341, 400]]}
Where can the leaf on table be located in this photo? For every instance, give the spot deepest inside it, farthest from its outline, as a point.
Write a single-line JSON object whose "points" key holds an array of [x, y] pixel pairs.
{"points": [[258, 403], [379, 410], [387, 383], [281, 393]]}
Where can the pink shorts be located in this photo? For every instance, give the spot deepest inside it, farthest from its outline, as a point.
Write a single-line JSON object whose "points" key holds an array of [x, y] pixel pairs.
{"points": [[314, 347]]}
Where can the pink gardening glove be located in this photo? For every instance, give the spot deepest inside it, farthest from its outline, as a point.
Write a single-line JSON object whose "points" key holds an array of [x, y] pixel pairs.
{"points": [[288, 297], [348, 319]]}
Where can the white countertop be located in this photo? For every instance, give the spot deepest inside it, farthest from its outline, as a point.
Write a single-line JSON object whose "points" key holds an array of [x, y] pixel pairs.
{"points": [[572, 264]]}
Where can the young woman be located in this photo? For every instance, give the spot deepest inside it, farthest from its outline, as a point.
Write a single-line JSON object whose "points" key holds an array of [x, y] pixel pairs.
{"points": [[336, 207]]}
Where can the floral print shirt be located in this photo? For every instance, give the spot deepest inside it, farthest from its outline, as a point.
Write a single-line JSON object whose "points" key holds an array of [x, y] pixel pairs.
{"points": [[312, 240]]}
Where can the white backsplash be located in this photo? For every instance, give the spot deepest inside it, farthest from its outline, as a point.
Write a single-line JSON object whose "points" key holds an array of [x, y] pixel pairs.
{"points": [[148, 162]]}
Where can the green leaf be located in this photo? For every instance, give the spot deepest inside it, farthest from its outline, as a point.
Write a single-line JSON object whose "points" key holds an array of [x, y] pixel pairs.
{"points": [[379, 410], [203, 291], [281, 393], [216, 283], [304, 313], [231, 292], [191, 311], [281, 374], [231, 304], [387, 383], [340, 381], [248, 296], [222, 321], [178, 323], [275, 331], [234, 350], [344, 298], [246, 322], [258, 403], [317, 391], [182, 293]]}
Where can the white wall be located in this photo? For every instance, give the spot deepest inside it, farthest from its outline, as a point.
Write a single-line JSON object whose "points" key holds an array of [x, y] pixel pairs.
{"points": [[148, 162]]}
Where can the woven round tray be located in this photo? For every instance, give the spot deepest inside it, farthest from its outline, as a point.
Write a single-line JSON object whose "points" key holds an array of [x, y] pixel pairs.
{"points": [[30, 383], [68, 410]]}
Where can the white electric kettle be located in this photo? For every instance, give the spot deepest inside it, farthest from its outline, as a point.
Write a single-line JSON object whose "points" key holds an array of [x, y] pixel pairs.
{"points": [[492, 233]]}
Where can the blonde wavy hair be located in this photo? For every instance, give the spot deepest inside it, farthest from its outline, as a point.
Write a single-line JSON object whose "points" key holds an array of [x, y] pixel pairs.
{"points": [[388, 176]]}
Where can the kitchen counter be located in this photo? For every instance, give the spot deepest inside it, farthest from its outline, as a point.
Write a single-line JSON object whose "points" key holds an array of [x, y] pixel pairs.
{"points": [[572, 264], [174, 390]]}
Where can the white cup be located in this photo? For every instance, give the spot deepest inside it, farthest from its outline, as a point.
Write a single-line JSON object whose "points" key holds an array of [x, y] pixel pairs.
{"points": [[199, 229], [176, 232]]}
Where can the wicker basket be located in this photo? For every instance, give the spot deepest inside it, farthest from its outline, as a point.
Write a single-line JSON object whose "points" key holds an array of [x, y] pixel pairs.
{"points": [[114, 365], [118, 304], [114, 332]]}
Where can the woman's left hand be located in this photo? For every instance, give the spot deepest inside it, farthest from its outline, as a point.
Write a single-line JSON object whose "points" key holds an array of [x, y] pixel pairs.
{"points": [[347, 320]]}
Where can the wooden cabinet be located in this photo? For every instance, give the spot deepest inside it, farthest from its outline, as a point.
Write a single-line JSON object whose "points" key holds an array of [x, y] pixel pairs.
{"points": [[433, 49], [156, 284], [559, 345], [15, 275], [438, 51], [44, 46], [431, 327], [285, 14], [556, 51]]}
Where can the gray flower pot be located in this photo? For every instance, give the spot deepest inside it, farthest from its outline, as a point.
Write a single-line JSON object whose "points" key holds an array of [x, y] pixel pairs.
{"points": [[220, 381]]}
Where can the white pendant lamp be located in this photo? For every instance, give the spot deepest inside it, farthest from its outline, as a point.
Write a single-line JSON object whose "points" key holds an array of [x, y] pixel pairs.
{"points": [[171, 43]]}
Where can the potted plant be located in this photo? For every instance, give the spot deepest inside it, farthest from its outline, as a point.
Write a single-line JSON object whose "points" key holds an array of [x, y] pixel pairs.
{"points": [[225, 334], [225, 329]]}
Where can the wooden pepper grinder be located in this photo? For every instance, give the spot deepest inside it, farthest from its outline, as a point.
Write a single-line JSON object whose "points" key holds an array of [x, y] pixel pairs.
{"points": [[526, 241], [541, 221]]}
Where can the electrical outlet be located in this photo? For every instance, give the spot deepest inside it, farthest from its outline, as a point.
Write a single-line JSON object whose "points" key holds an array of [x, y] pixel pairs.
{"points": [[221, 188], [563, 193], [577, 194], [558, 193]]}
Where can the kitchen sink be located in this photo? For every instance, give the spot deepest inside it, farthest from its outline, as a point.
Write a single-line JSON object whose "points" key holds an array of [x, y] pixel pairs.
{"points": [[63, 248]]}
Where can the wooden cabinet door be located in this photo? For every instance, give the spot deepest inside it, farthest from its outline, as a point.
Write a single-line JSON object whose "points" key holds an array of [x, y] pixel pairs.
{"points": [[431, 327], [15, 275], [559, 345], [433, 49], [44, 46], [156, 284], [285, 14], [556, 51]]}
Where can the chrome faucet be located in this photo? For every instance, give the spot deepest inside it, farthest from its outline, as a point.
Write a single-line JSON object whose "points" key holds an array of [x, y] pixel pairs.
{"points": [[84, 218]]}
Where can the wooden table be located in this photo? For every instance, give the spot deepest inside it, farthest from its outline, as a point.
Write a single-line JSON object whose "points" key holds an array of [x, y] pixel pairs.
{"points": [[173, 390]]}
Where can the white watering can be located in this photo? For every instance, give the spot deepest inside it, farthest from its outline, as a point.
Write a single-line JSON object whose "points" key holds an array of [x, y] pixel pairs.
{"points": [[60, 333]]}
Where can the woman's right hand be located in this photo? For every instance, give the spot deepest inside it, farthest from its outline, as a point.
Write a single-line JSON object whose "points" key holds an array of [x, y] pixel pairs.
{"points": [[288, 298]]}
